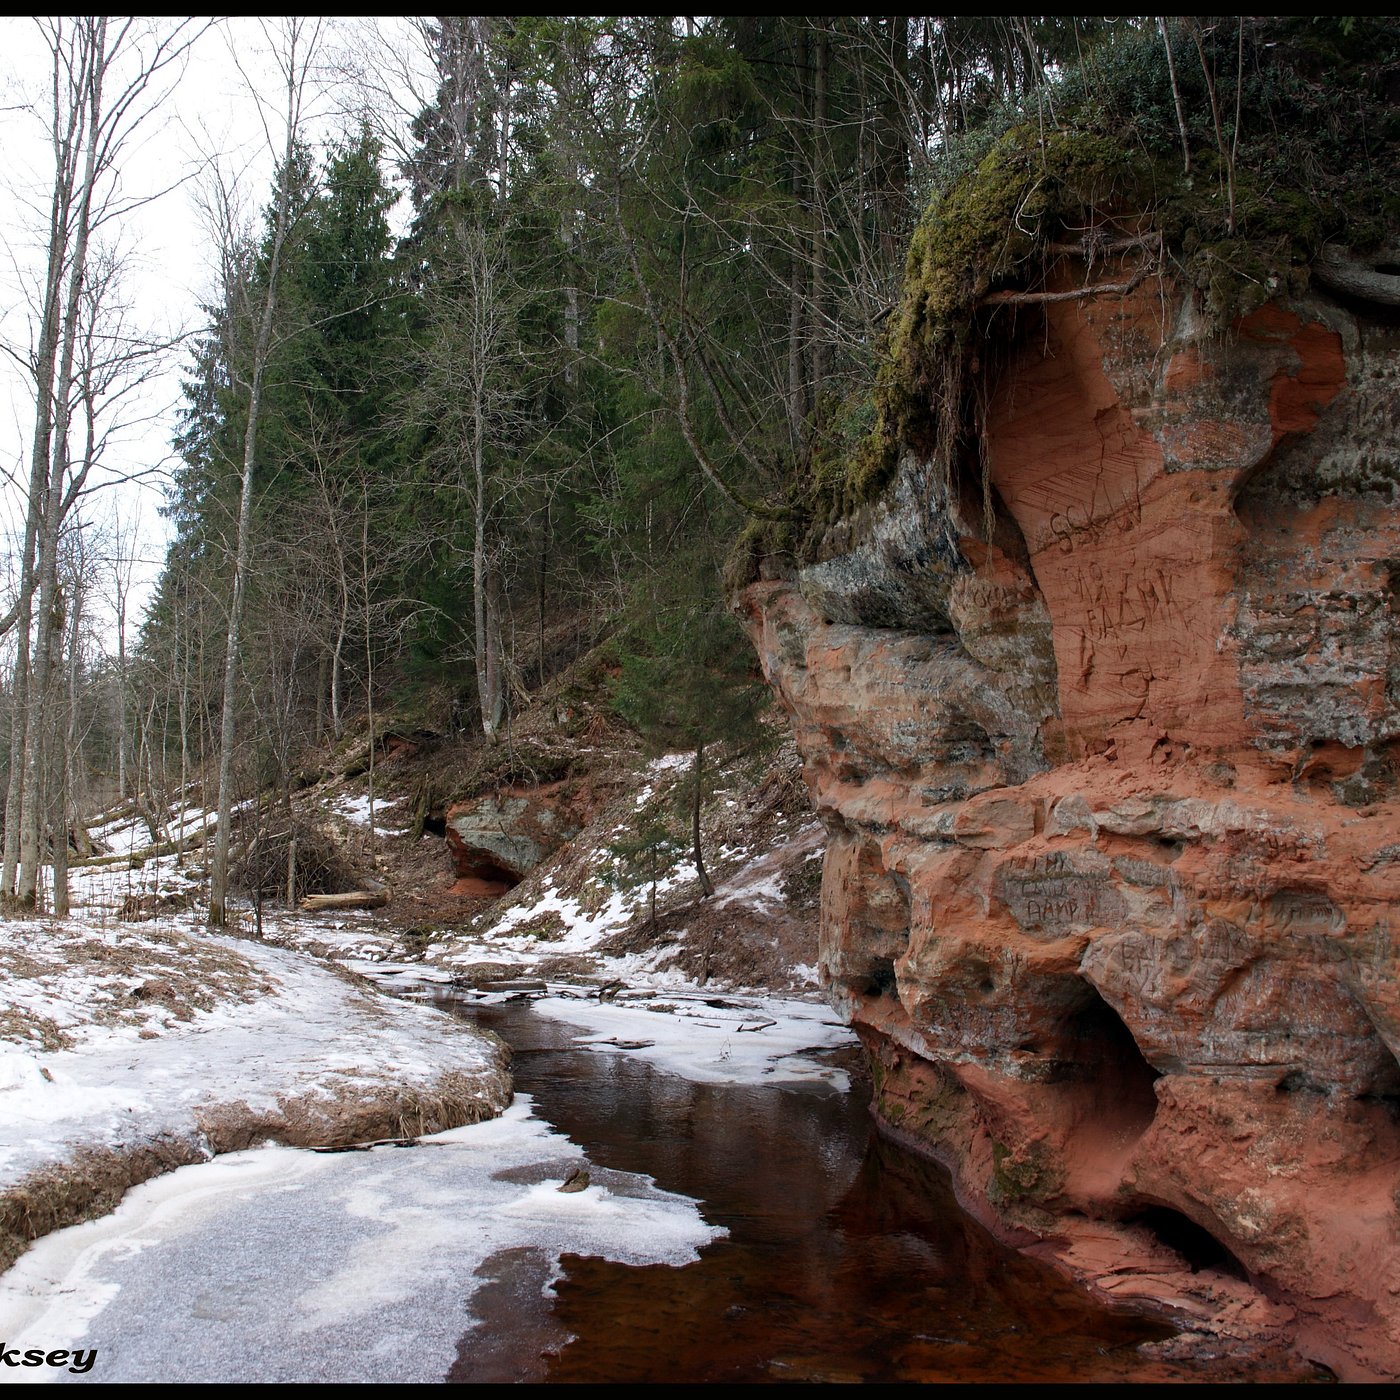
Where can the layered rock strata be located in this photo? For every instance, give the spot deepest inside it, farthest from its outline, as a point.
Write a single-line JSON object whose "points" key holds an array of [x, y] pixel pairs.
{"points": [[1112, 790]]}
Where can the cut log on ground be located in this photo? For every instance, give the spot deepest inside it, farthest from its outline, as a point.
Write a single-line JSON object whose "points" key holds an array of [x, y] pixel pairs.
{"points": [[354, 899]]}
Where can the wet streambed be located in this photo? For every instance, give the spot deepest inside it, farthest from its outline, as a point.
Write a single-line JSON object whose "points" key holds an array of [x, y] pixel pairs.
{"points": [[846, 1259]]}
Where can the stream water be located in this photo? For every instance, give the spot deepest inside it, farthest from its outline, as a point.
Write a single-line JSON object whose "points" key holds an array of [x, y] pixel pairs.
{"points": [[847, 1259], [843, 1258]]}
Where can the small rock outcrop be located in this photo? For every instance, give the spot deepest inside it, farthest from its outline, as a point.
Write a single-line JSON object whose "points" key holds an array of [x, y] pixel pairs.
{"points": [[497, 840], [1112, 791]]}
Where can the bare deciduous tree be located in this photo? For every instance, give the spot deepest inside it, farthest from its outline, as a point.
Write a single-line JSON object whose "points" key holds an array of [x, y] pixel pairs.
{"points": [[254, 299], [107, 78]]}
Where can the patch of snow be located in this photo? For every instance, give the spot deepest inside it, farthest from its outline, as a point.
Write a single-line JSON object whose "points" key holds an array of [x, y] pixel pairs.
{"points": [[355, 808], [279, 1265], [581, 932], [750, 1040], [314, 1034], [349, 937], [759, 882], [669, 762]]}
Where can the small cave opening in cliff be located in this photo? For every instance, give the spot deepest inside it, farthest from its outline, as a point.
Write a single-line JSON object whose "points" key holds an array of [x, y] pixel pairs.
{"points": [[1194, 1243], [479, 874], [1111, 1056], [1298, 1081], [435, 826], [882, 981]]}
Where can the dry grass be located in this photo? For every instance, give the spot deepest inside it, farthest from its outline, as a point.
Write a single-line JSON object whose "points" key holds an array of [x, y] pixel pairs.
{"points": [[92, 1182], [29, 1026], [89, 1185], [145, 977]]}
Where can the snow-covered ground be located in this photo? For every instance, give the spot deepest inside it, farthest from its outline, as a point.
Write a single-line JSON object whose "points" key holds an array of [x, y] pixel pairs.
{"points": [[278, 1265], [555, 925], [125, 1036], [282, 1264], [130, 832], [543, 923]]}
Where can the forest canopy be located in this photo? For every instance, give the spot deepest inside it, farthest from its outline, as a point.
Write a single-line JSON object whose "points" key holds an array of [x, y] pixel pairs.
{"points": [[666, 284]]}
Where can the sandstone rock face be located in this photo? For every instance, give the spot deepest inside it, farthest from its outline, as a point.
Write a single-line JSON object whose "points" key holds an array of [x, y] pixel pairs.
{"points": [[1112, 890], [497, 840]]}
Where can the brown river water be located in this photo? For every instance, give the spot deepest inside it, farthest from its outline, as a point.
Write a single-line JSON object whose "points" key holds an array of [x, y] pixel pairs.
{"points": [[848, 1259]]}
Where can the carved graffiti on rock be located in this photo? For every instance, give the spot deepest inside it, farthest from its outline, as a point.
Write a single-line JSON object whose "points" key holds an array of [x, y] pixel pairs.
{"points": [[1055, 894], [1302, 911], [1103, 516]]}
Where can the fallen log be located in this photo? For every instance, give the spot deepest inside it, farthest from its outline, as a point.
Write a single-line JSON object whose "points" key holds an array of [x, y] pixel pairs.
{"points": [[139, 857], [80, 841], [354, 899]]}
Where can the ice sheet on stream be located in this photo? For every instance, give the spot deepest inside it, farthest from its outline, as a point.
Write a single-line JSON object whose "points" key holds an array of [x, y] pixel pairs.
{"points": [[280, 1265], [724, 1038], [734, 1041]]}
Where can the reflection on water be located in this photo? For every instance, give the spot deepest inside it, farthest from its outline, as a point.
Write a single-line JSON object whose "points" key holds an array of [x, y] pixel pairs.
{"points": [[847, 1258]]}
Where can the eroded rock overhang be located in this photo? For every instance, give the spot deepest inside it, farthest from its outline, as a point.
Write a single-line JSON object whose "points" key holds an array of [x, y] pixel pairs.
{"points": [[1113, 870]]}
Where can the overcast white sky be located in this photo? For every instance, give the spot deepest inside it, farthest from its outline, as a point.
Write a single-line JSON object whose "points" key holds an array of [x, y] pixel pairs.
{"points": [[209, 111]]}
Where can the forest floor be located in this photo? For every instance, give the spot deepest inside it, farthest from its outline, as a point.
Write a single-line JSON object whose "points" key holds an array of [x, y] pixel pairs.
{"points": [[584, 912]]}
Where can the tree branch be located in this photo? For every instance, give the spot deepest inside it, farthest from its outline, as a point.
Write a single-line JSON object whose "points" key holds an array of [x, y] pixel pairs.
{"points": [[1099, 289]]}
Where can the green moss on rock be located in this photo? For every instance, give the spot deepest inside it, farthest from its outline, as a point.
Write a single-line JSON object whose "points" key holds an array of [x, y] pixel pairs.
{"points": [[1109, 160], [1027, 1177]]}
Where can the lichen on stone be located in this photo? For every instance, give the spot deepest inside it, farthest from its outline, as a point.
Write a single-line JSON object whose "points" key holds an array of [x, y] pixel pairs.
{"points": [[1026, 1177]]}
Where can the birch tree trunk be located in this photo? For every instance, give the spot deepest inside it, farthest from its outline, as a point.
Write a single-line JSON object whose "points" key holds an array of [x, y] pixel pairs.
{"points": [[706, 887], [51, 513], [64, 806], [68, 134], [121, 685]]}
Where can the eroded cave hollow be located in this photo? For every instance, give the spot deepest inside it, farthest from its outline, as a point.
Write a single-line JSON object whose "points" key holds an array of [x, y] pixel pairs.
{"points": [[479, 873], [1120, 1073]]}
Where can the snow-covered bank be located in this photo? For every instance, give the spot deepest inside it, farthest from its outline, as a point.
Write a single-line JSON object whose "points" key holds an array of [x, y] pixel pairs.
{"points": [[581, 917], [129, 1050], [277, 1265]]}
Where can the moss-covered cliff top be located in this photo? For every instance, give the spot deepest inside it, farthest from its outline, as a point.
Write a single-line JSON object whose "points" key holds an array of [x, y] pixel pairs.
{"points": [[1229, 163]]}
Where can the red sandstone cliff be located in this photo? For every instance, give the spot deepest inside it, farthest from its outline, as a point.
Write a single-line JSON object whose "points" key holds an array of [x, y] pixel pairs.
{"points": [[1112, 890]]}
